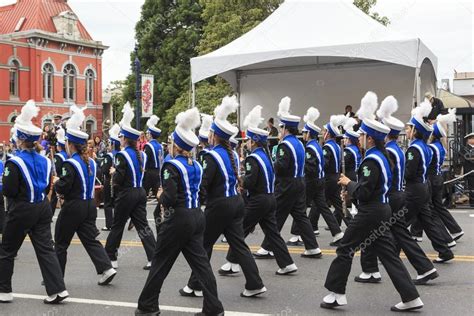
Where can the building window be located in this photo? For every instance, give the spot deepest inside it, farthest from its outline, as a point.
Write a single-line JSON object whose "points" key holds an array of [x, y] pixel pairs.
{"points": [[69, 84], [90, 127], [14, 76], [89, 86], [48, 75]]}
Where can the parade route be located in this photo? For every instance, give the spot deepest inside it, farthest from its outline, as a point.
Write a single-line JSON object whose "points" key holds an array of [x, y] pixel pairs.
{"points": [[298, 294]]}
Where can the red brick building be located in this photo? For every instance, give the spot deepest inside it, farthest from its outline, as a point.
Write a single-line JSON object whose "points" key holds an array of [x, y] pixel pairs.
{"points": [[47, 55]]}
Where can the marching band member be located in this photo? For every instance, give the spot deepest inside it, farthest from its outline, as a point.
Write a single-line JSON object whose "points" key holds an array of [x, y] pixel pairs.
{"points": [[332, 165], [352, 155], [290, 184], [26, 184], [183, 224], [59, 157], [106, 164], [224, 206], [154, 154], [435, 177], [130, 201], [403, 239], [418, 158], [314, 178], [78, 212], [371, 193], [204, 136], [260, 208]]}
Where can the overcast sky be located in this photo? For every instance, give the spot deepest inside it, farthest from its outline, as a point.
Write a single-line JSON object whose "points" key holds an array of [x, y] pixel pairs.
{"points": [[446, 27]]}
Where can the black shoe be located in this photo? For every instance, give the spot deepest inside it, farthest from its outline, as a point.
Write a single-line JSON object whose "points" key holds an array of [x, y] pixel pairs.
{"points": [[312, 256], [130, 226], [335, 243], [372, 279], [204, 314], [326, 228], [144, 313], [425, 280], [329, 305], [395, 309], [42, 283], [106, 229], [56, 300], [443, 259], [294, 243]]}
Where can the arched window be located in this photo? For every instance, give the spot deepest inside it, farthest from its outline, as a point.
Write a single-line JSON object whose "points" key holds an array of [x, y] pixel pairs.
{"points": [[90, 127], [48, 76], [14, 76], [89, 86], [69, 83]]}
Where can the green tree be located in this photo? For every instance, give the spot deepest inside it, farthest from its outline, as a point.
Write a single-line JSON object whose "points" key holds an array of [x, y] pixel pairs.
{"points": [[167, 35], [366, 6], [224, 21]]}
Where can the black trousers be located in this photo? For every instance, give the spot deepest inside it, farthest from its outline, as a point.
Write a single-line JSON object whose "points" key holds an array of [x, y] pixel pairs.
{"points": [[182, 231], [2, 212], [403, 240], [291, 199], [370, 228], [34, 220], [130, 203], [417, 203], [333, 196], [226, 216], [54, 200], [445, 218], [108, 204], [316, 198], [261, 209], [470, 189], [151, 181], [79, 216]]}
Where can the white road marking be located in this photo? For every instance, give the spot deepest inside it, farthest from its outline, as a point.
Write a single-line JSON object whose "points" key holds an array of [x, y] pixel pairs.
{"points": [[462, 212], [103, 218], [471, 215], [133, 305]]}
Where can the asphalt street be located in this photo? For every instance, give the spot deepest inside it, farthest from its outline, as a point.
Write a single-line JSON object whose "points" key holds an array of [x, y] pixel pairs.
{"points": [[299, 294]]}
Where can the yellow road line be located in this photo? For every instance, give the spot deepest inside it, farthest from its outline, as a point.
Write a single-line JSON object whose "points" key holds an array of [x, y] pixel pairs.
{"points": [[291, 250]]}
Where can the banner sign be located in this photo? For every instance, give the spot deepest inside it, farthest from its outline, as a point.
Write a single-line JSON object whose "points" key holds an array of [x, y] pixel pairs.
{"points": [[147, 95]]}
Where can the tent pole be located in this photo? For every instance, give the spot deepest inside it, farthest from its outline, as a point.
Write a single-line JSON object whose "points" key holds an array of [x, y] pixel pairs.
{"points": [[193, 97], [238, 74]]}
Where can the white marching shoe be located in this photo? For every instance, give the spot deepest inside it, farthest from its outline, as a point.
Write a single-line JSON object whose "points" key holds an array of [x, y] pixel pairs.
{"points": [[312, 253], [147, 267], [336, 240], [452, 244], [56, 298], [107, 276], [187, 291], [292, 268], [368, 277], [229, 268], [253, 293], [457, 236], [333, 300], [408, 306], [6, 297], [114, 264], [263, 254]]}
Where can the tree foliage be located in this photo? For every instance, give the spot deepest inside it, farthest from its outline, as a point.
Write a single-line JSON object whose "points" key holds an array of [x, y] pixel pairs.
{"points": [[366, 6]]}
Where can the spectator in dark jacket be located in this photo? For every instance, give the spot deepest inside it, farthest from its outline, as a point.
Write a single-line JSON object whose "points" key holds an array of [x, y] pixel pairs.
{"points": [[437, 107]]}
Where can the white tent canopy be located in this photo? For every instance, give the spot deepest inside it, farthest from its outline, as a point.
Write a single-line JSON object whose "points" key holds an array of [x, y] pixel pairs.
{"points": [[325, 53]]}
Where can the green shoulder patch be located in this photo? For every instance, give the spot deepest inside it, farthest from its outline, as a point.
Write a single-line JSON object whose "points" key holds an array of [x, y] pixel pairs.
{"points": [[281, 152], [308, 156], [6, 172], [204, 164], [366, 171], [325, 152], [166, 174], [410, 156], [64, 172], [248, 167]]}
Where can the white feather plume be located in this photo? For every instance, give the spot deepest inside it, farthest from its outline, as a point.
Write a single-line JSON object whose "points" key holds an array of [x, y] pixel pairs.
{"points": [[284, 106], [311, 115], [388, 106], [13, 133], [229, 105], [114, 131], [28, 112], [189, 119], [152, 121], [76, 119], [206, 123], [60, 134], [423, 110], [128, 115], [447, 118], [349, 124], [337, 120], [254, 118], [368, 106]]}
